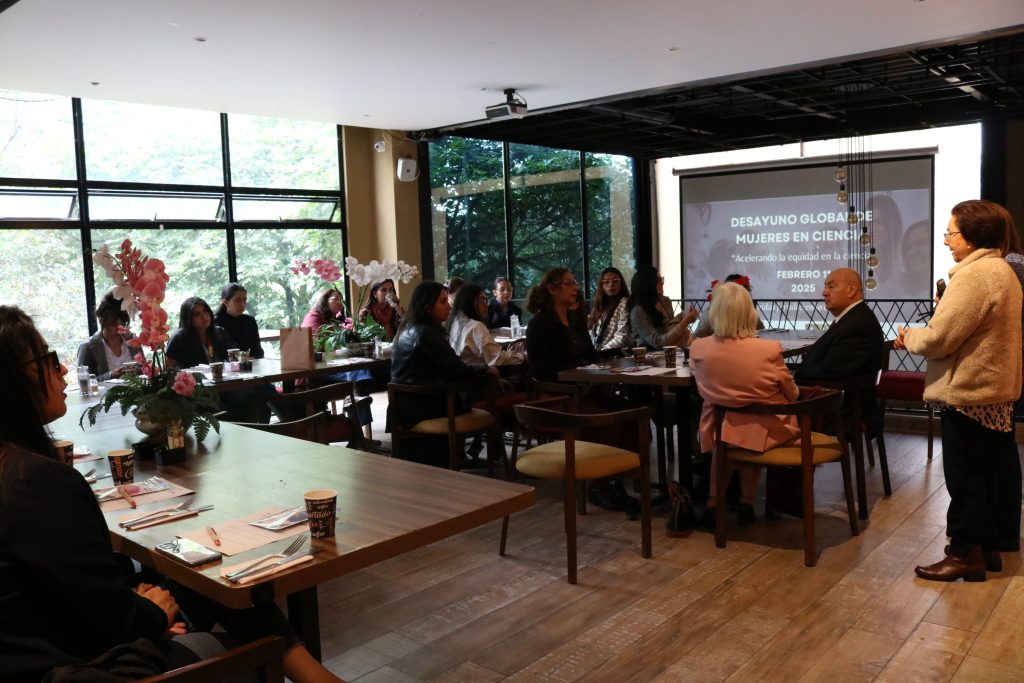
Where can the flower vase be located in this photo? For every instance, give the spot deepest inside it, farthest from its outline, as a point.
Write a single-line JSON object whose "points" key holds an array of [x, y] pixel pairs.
{"points": [[368, 349], [154, 430]]}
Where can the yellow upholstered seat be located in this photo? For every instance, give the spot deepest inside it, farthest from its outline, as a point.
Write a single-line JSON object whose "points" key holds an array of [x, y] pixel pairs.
{"points": [[473, 421], [593, 461], [824, 449]]}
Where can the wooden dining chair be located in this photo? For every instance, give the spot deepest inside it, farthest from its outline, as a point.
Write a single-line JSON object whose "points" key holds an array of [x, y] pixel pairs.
{"points": [[811, 450], [335, 428], [902, 385], [455, 426], [575, 461], [265, 657], [312, 428]]}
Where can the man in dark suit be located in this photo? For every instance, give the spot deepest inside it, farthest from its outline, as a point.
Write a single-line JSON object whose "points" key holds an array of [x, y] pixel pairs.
{"points": [[852, 346]]}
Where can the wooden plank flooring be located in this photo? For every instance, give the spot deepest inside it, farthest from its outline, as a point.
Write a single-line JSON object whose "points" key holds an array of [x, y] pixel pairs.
{"points": [[456, 611]]}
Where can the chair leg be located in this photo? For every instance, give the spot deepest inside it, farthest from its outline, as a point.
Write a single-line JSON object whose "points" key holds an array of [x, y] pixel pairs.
{"points": [[871, 451], [883, 463], [570, 528], [862, 489], [931, 428], [504, 536], [513, 473], [848, 491], [722, 477], [810, 551], [645, 512]]}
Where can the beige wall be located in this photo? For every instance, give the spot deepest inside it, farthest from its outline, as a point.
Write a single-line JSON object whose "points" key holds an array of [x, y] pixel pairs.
{"points": [[383, 212]]}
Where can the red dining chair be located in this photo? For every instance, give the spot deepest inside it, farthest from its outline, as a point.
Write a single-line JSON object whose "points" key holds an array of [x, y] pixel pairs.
{"points": [[902, 385]]}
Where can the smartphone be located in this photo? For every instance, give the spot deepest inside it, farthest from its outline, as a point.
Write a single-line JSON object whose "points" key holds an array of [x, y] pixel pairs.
{"points": [[940, 287], [189, 552]]}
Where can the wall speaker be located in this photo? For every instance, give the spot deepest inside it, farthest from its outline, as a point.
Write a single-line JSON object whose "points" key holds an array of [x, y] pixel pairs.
{"points": [[406, 169]]}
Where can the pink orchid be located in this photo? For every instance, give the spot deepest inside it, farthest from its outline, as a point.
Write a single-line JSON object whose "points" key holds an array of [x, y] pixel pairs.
{"points": [[184, 384]]}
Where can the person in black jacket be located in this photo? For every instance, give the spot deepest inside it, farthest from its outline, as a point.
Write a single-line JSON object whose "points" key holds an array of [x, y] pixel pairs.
{"points": [[852, 345], [422, 355], [239, 325], [64, 599], [501, 309]]}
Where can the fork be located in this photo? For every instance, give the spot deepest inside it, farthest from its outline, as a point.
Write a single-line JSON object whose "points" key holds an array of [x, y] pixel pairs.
{"points": [[292, 548], [91, 472], [183, 505]]}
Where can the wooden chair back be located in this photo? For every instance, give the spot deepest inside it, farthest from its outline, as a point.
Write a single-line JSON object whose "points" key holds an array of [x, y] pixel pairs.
{"points": [[264, 656], [310, 428]]}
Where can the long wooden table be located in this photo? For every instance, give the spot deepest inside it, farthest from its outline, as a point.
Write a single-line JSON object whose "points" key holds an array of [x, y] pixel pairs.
{"points": [[386, 507]]}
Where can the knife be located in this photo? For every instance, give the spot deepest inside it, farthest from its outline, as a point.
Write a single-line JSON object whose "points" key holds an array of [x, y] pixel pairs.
{"points": [[168, 518], [277, 563]]}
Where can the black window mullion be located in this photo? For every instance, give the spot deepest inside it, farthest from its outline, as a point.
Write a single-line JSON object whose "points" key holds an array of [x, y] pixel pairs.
{"points": [[506, 171], [584, 227], [83, 214], [229, 207]]}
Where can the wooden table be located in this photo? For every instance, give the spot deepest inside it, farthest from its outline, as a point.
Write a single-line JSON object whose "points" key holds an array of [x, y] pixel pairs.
{"points": [[679, 380], [386, 507]]}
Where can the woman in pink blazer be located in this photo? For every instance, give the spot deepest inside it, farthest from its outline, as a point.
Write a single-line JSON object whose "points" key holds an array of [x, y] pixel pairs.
{"points": [[734, 368]]}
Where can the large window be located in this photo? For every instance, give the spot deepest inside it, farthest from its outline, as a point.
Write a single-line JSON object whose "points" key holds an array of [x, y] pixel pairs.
{"points": [[554, 214], [156, 175]]}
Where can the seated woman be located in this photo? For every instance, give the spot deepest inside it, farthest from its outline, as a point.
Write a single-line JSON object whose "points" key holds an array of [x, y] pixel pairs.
{"points": [[239, 325], [422, 355], [501, 310], [648, 318], [558, 340], [704, 326], [609, 318], [63, 598], [384, 307], [199, 342], [107, 350], [734, 368], [470, 337]]}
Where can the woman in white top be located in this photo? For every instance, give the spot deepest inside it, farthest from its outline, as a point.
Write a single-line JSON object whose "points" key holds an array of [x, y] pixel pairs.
{"points": [[107, 350], [468, 333]]}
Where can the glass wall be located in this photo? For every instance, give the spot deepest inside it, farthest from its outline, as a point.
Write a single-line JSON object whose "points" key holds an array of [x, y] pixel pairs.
{"points": [[156, 175], [540, 213]]}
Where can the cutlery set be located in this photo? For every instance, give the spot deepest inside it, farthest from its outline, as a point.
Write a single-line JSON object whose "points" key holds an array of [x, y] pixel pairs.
{"points": [[180, 511], [289, 554]]}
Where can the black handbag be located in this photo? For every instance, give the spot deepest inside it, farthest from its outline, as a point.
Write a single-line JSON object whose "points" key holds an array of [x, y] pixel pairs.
{"points": [[682, 520]]}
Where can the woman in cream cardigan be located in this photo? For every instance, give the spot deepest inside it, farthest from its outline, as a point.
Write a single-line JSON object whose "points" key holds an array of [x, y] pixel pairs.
{"points": [[974, 373], [733, 368]]}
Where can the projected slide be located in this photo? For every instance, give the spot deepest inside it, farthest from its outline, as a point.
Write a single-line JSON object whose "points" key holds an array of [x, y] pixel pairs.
{"points": [[786, 230]]}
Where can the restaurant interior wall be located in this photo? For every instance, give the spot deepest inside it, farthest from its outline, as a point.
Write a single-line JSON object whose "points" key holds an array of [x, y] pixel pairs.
{"points": [[157, 175], [510, 209]]}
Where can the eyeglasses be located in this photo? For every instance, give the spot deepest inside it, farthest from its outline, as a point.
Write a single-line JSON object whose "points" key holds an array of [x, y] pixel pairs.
{"points": [[50, 358], [947, 235], [571, 283], [661, 280], [611, 281]]}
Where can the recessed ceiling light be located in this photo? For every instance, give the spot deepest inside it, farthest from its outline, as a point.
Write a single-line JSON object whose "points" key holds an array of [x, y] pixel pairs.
{"points": [[200, 39], [673, 49], [94, 82], [366, 116]]}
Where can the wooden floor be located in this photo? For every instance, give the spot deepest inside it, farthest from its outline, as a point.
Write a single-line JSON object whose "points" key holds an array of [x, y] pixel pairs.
{"points": [[456, 611]]}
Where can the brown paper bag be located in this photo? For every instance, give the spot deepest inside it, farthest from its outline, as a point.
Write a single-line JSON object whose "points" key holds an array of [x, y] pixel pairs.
{"points": [[297, 348]]}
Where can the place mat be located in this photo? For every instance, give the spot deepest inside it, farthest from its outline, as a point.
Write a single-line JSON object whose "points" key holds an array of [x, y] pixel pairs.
{"points": [[85, 454], [348, 361], [271, 569], [172, 491], [640, 370], [237, 535]]}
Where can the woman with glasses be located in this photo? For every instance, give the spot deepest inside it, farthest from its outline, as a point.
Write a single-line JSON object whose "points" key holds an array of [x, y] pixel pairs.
{"points": [[972, 344], [64, 600], [652, 325], [468, 334], [609, 318], [501, 309], [107, 350]]}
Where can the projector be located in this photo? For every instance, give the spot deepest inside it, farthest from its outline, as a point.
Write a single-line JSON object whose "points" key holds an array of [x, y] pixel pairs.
{"points": [[515, 110]]}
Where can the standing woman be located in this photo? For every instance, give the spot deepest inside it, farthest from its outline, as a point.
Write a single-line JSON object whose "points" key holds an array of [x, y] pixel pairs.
{"points": [[384, 307], [501, 310], [63, 598], [647, 316], [107, 350], [609, 318], [974, 372], [239, 325], [198, 340], [422, 355]]}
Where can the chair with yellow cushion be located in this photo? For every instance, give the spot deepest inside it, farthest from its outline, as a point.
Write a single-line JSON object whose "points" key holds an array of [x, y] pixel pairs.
{"points": [[807, 452], [456, 426], [573, 460]]}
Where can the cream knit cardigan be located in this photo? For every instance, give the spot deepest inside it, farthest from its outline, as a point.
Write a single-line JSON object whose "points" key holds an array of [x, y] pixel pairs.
{"points": [[972, 341]]}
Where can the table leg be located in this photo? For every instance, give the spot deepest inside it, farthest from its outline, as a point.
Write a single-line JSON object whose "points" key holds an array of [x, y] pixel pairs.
{"points": [[304, 614], [684, 457], [660, 440]]}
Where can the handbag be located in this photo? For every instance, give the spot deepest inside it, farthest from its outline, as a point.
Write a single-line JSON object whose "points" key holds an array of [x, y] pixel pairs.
{"points": [[297, 349], [682, 520]]}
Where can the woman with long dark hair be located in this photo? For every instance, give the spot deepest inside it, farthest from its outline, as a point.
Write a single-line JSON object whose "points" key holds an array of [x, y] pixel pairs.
{"points": [[468, 334], [652, 325], [609, 318], [197, 340], [236, 322], [64, 600], [384, 307], [106, 351], [422, 355]]}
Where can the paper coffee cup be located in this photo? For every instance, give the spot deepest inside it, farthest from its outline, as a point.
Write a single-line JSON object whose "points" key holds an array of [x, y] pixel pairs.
{"points": [[639, 355], [122, 466], [66, 450], [217, 370], [321, 507], [670, 356]]}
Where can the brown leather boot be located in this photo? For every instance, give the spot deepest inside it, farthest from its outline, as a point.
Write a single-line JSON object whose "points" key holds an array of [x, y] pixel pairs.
{"points": [[993, 560], [969, 567]]}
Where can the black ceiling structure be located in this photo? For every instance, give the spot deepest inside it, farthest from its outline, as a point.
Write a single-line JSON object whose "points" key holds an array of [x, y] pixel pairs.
{"points": [[923, 87]]}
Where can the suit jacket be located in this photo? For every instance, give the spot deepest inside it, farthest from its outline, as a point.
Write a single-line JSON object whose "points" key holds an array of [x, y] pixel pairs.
{"points": [[850, 348], [92, 353], [737, 372]]}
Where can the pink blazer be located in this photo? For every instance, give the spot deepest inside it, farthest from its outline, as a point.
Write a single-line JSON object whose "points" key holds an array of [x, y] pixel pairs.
{"points": [[736, 372]]}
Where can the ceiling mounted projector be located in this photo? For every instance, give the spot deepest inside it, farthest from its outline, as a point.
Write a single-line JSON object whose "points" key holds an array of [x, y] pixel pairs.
{"points": [[513, 107]]}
